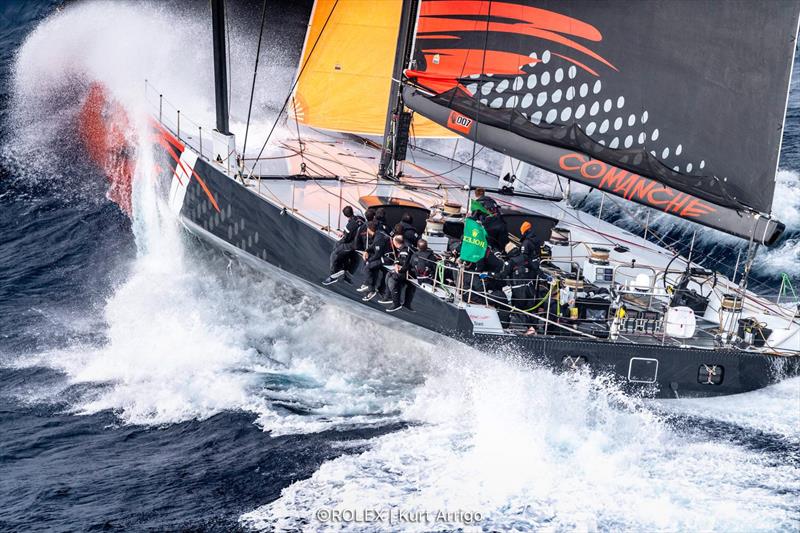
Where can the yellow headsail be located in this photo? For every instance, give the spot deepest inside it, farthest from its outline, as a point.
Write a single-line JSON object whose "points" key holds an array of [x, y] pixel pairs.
{"points": [[345, 85]]}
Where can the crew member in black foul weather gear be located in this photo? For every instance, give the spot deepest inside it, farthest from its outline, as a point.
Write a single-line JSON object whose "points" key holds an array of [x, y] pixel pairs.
{"points": [[423, 263], [492, 220], [523, 272], [362, 241], [487, 202], [342, 256], [410, 235], [378, 244], [380, 216], [530, 243], [397, 278]]}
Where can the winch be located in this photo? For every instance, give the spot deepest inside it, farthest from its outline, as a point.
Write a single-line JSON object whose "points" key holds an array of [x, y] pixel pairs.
{"points": [[559, 237], [597, 267], [730, 310]]}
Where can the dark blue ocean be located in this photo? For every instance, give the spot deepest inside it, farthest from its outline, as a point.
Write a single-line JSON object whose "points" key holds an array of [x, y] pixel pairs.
{"points": [[148, 383]]}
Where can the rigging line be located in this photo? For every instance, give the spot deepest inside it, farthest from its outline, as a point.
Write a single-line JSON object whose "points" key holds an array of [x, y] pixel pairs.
{"points": [[299, 140], [452, 159], [291, 89], [478, 109], [659, 238], [255, 73], [327, 172], [471, 162], [228, 53]]}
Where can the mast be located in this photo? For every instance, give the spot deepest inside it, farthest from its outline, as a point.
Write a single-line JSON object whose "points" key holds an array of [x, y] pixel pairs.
{"points": [[391, 131], [220, 64], [224, 142]]}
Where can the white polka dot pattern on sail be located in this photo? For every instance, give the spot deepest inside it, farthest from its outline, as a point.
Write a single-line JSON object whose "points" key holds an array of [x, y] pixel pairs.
{"points": [[536, 118], [679, 149], [607, 105], [604, 126], [614, 142], [487, 87], [531, 81], [541, 99], [654, 136], [631, 120], [594, 109], [689, 167], [472, 88], [546, 57], [572, 72], [665, 153], [621, 102], [544, 78], [502, 86], [628, 141], [512, 101], [559, 75], [518, 83], [642, 137], [703, 164], [597, 87], [565, 114], [551, 116], [496, 103], [590, 127], [527, 100], [570, 94], [645, 116], [584, 90], [580, 112], [556, 96], [618, 123]]}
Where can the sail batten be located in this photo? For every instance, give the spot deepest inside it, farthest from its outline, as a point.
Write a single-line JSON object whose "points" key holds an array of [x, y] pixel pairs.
{"points": [[688, 94]]}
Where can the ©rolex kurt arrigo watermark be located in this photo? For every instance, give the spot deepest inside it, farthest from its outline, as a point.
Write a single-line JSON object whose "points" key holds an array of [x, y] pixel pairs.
{"points": [[394, 516]]}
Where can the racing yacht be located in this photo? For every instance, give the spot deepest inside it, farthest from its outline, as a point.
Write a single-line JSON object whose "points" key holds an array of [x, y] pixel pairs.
{"points": [[675, 106]]}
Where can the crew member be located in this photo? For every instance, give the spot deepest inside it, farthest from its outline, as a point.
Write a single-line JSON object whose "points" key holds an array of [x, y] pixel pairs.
{"points": [[410, 235], [487, 202], [397, 278], [530, 242], [373, 259], [362, 240], [380, 216], [493, 222], [522, 276], [423, 263], [342, 254]]}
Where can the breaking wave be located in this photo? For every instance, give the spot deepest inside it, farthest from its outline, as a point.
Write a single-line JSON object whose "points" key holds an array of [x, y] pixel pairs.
{"points": [[531, 450], [187, 334]]}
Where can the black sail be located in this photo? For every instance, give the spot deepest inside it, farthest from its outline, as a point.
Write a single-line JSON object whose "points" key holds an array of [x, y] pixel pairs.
{"points": [[678, 105]]}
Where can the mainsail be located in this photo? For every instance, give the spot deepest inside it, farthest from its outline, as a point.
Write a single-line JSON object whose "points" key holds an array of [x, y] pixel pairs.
{"points": [[346, 80], [676, 105]]}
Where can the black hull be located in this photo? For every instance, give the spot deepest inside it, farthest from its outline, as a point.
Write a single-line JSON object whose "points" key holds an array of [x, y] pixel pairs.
{"points": [[267, 236]]}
